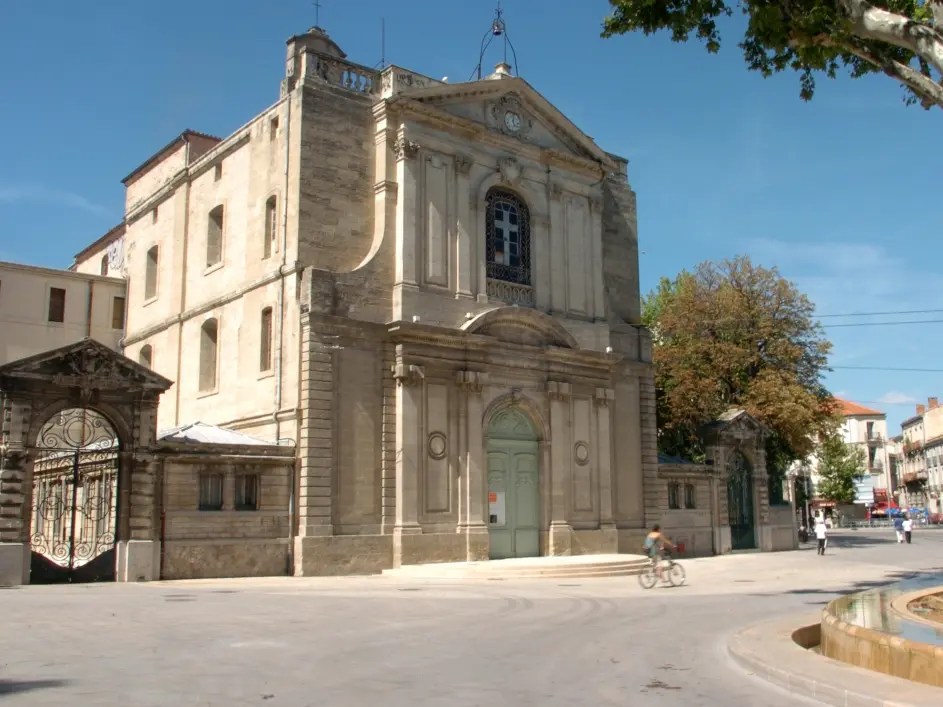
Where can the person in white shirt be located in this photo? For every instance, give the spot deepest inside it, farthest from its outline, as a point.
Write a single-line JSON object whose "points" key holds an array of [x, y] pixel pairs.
{"points": [[908, 529], [820, 534]]}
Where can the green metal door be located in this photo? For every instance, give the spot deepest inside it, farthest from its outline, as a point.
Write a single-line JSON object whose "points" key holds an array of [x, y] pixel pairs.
{"points": [[740, 503], [513, 499]]}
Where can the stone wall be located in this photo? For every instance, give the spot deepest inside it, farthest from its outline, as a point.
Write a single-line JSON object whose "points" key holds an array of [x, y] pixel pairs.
{"points": [[228, 542], [691, 527]]}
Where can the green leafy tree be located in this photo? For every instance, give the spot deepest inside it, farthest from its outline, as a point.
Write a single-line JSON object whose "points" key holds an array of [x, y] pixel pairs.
{"points": [[902, 39], [840, 466], [733, 334]]}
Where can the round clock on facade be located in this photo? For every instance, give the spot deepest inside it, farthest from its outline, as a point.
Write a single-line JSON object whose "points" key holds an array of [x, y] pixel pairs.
{"points": [[512, 121]]}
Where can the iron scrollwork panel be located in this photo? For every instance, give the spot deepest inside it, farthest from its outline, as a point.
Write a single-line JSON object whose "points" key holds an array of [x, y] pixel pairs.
{"points": [[75, 481]]}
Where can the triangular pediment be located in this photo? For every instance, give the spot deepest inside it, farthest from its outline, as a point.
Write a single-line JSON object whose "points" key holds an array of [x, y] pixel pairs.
{"points": [[738, 424], [87, 365], [489, 103]]}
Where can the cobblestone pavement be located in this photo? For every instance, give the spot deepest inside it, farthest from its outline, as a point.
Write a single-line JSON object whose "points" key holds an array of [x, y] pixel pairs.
{"points": [[334, 642]]}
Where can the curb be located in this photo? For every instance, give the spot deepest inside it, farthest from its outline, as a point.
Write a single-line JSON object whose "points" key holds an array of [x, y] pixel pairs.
{"points": [[768, 651]]}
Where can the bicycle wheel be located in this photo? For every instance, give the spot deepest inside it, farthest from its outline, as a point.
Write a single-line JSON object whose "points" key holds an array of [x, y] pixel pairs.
{"points": [[647, 578], [676, 574]]}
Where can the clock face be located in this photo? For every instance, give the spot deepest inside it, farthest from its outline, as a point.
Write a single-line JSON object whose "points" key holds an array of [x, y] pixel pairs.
{"points": [[512, 121]]}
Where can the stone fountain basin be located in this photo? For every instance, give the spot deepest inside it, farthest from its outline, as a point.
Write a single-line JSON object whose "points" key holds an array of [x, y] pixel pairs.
{"points": [[877, 629]]}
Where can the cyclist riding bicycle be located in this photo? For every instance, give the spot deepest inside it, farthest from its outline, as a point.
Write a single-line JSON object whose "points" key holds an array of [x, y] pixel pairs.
{"points": [[654, 547]]}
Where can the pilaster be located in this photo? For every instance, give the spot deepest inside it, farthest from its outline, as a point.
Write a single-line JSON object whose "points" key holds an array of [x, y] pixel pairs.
{"points": [[558, 272], [465, 263], [474, 488], [649, 447], [560, 472], [409, 388], [603, 399], [599, 304], [407, 176], [316, 438]]}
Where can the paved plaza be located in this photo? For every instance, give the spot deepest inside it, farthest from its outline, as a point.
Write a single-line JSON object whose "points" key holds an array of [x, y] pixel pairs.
{"points": [[366, 641]]}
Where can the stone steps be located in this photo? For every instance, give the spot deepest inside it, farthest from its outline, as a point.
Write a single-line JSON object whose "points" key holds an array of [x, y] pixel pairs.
{"points": [[571, 567]]}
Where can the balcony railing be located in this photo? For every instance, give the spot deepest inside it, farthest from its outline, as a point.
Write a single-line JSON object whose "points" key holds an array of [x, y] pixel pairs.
{"points": [[511, 293]]}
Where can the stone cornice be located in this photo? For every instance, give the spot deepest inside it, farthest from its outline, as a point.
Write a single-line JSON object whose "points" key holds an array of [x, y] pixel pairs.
{"points": [[141, 334]]}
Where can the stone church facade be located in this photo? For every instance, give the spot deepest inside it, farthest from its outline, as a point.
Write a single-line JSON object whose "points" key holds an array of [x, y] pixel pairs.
{"points": [[429, 294]]}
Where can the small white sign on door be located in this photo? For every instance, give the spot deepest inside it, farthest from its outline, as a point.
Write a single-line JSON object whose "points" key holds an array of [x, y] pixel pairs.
{"points": [[496, 507]]}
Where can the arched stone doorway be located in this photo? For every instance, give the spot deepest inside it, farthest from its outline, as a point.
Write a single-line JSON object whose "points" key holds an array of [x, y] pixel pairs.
{"points": [[513, 485], [74, 514], [740, 502], [63, 482]]}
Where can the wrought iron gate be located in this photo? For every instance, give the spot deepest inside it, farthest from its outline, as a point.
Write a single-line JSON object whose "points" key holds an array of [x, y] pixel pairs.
{"points": [[75, 499], [740, 503]]}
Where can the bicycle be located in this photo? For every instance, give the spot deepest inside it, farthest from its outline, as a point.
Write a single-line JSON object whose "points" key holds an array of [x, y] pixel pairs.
{"points": [[671, 572]]}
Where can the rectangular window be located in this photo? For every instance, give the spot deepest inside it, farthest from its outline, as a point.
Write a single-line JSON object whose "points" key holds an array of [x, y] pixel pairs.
{"points": [[690, 496], [214, 236], [870, 430], [211, 491], [265, 343], [271, 226], [218, 172], [273, 128], [117, 313], [56, 304], [674, 496], [247, 492]]}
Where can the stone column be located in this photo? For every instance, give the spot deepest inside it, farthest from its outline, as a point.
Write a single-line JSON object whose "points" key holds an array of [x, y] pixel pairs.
{"points": [[466, 266], [408, 448], [560, 458], [477, 546]]}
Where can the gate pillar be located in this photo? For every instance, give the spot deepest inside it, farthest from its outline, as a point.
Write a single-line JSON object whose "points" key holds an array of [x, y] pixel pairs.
{"points": [[14, 492], [139, 548]]}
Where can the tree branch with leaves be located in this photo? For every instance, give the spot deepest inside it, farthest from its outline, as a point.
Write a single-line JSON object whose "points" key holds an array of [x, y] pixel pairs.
{"points": [[902, 39], [733, 334], [840, 465]]}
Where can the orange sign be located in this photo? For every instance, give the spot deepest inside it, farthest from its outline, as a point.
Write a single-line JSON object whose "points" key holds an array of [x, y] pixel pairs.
{"points": [[492, 497]]}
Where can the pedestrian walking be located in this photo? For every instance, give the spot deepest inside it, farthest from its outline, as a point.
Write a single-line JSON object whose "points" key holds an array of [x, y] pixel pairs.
{"points": [[899, 528], [908, 529], [820, 535]]}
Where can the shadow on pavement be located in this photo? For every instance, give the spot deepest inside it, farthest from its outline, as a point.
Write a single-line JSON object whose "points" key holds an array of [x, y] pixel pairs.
{"points": [[13, 687], [889, 578]]}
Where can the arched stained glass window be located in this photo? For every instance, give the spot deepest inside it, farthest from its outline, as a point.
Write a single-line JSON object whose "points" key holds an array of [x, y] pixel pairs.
{"points": [[507, 224]]}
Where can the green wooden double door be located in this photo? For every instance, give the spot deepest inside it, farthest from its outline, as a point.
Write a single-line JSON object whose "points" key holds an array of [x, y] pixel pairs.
{"points": [[513, 498]]}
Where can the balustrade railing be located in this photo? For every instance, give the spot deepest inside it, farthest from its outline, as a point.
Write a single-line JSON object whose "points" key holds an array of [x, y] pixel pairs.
{"points": [[511, 293], [344, 74]]}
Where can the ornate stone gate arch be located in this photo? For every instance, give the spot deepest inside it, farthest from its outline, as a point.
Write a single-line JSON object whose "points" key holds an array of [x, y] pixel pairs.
{"points": [[40, 397]]}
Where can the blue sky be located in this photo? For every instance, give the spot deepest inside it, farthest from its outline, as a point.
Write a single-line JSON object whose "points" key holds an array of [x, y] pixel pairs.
{"points": [[724, 162]]}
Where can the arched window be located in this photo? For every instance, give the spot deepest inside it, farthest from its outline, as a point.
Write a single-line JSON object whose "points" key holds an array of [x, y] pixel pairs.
{"points": [[104, 264], [271, 226], [146, 355], [214, 237], [150, 273], [209, 354], [507, 226], [265, 341]]}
